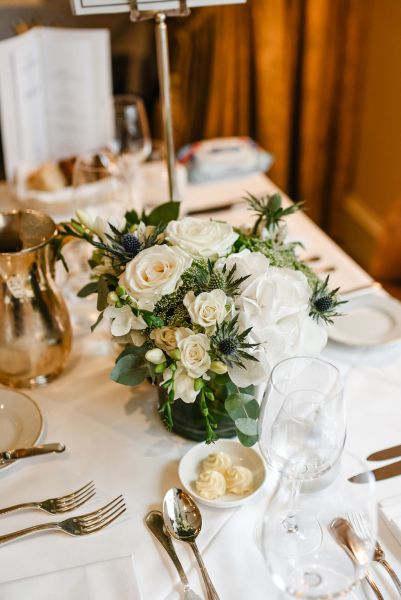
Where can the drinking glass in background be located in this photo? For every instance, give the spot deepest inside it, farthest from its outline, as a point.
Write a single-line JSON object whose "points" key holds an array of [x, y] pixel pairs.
{"points": [[301, 435], [102, 191], [341, 560], [132, 142]]}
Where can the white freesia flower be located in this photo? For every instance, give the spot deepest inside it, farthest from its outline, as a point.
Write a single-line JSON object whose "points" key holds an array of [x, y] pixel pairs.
{"points": [[195, 354], [183, 384], [166, 337], [253, 372], [154, 272], [98, 226], [123, 320], [201, 237], [207, 308]]}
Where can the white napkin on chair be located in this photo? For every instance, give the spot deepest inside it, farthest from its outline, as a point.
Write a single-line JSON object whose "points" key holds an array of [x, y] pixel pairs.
{"points": [[107, 580], [390, 510]]}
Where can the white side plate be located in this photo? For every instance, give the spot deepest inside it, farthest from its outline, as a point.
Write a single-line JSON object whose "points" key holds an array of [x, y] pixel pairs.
{"points": [[370, 318], [188, 470], [20, 422]]}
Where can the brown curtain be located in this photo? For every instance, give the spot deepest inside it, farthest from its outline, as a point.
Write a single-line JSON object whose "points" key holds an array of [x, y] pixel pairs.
{"points": [[287, 72]]}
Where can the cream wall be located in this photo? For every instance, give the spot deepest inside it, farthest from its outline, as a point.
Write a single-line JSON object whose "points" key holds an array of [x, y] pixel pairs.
{"points": [[378, 178]]}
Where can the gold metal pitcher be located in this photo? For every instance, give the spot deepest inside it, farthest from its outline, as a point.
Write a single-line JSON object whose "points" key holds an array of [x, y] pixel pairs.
{"points": [[35, 330]]}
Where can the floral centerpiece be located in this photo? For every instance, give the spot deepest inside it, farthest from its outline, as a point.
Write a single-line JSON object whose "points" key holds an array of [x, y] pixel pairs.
{"points": [[205, 309]]}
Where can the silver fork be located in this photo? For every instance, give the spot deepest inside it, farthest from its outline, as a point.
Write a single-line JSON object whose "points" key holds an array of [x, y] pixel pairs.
{"points": [[359, 524], [83, 525], [58, 505]]}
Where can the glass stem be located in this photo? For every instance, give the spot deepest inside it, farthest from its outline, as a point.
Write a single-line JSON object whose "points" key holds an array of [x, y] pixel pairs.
{"points": [[290, 522]]}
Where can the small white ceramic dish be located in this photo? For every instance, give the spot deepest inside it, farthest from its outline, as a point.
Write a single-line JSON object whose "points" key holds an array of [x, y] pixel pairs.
{"points": [[189, 467], [371, 318], [20, 422]]}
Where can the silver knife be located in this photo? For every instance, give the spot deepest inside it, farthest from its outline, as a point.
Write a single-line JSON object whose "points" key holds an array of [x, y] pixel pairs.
{"points": [[392, 452], [33, 451], [385, 472]]}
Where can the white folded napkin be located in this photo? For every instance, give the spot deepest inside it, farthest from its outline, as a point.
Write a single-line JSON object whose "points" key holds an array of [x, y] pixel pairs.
{"points": [[107, 580], [390, 510]]}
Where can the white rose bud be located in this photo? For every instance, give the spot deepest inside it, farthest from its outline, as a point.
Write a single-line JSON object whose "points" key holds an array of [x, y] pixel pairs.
{"points": [[218, 367], [85, 219], [155, 356]]}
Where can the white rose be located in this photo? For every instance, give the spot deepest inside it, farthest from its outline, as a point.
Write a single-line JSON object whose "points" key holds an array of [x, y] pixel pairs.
{"points": [[207, 309], [195, 354], [183, 384], [167, 338], [201, 237], [155, 356], [123, 320], [154, 272]]}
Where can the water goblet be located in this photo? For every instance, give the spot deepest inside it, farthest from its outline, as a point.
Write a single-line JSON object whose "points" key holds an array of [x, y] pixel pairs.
{"points": [[301, 435]]}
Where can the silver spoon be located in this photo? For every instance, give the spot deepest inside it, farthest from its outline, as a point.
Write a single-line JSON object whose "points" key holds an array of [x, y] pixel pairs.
{"points": [[154, 522], [183, 521], [345, 535]]}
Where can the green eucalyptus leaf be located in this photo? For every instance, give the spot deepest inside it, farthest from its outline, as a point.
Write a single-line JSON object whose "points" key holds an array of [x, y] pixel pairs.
{"points": [[88, 289], [247, 426], [102, 292], [242, 406], [128, 372], [137, 352], [163, 214], [247, 440]]}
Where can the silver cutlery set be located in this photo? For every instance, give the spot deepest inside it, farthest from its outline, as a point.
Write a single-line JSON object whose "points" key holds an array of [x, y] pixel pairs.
{"points": [[181, 520], [90, 522]]}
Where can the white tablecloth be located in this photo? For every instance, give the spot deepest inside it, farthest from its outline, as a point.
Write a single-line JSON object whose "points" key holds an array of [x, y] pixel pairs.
{"points": [[114, 435]]}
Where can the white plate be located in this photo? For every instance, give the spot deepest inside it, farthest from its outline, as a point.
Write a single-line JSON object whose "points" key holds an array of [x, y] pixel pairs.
{"points": [[370, 319], [20, 422], [189, 466]]}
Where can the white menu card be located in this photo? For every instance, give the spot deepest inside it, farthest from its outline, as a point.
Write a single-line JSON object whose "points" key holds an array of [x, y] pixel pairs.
{"points": [[86, 7], [55, 94]]}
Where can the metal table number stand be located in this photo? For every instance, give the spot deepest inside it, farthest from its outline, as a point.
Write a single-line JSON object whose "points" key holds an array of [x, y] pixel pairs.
{"points": [[163, 70]]}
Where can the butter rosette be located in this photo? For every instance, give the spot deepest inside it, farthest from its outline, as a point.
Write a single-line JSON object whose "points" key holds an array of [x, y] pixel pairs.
{"points": [[216, 462], [210, 485], [239, 480]]}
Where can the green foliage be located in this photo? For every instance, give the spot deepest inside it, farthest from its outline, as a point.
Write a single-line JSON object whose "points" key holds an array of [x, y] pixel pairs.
{"points": [[244, 411], [102, 292], [269, 210], [88, 289], [162, 214], [131, 367]]}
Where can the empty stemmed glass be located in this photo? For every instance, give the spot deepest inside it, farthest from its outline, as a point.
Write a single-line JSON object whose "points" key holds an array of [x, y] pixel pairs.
{"points": [[302, 435], [342, 559], [132, 142]]}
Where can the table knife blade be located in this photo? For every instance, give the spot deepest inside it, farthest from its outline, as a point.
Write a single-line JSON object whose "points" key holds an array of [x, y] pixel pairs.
{"points": [[391, 470], [386, 453], [33, 451]]}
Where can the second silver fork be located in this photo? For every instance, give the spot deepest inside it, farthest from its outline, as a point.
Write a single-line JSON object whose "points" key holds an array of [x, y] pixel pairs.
{"points": [[58, 505]]}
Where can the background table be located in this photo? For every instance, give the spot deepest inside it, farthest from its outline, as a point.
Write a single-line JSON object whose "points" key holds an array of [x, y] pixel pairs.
{"points": [[114, 435]]}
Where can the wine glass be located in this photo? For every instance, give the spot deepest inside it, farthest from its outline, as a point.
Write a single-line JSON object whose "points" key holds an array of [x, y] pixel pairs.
{"points": [[301, 435], [132, 142], [327, 571]]}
